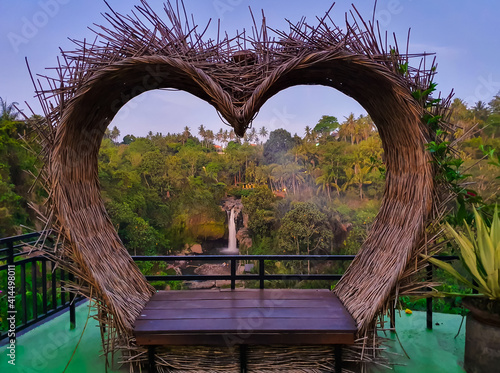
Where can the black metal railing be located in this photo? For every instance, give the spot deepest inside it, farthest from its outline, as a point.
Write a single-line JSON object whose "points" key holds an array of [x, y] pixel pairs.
{"points": [[39, 285], [261, 276], [430, 276]]}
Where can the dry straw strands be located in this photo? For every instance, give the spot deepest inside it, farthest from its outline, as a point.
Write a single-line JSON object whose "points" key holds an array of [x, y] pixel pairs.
{"points": [[141, 52]]}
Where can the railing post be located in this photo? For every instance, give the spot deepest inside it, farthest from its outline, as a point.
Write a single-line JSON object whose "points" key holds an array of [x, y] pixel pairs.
{"points": [[34, 297], [23, 293], [10, 253], [151, 359], [429, 299], [233, 274], [338, 359], [54, 285], [243, 359], [44, 285], [261, 273], [72, 310]]}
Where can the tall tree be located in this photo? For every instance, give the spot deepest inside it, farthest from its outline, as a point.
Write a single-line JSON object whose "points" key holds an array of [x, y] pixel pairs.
{"points": [[463, 118], [220, 136], [8, 111], [492, 128], [280, 141], [253, 135], [225, 138], [494, 104], [115, 133], [305, 229], [348, 128], [202, 132], [326, 125], [263, 134], [481, 111], [186, 134], [15, 162]]}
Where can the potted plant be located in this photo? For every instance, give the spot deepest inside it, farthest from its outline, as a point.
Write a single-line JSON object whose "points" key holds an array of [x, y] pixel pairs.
{"points": [[479, 250]]}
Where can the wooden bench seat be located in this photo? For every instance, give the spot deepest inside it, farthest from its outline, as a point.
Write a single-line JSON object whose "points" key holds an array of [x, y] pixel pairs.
{"points": [[245, 317]]}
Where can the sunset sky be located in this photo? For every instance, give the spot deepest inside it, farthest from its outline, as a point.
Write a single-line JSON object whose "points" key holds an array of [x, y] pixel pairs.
{"points": [[464, 34]]}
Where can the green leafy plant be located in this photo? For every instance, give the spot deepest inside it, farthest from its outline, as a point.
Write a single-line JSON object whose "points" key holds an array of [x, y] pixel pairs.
{"points": [[480, 254]]}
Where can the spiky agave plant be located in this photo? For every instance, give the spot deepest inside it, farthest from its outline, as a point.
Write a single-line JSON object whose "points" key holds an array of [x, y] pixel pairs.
{"points": [[480, 254]]}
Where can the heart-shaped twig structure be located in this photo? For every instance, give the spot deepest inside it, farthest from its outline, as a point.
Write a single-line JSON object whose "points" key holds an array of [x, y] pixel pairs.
{"points": [[236, 76]]}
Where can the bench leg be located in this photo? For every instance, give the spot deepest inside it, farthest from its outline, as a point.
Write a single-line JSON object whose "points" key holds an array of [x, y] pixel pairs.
{"points": [[338, 358], [151, 359], [243, 358]]}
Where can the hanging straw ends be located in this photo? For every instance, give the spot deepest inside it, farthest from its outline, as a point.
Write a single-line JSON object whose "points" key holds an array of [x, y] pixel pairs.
{"points": [[140, 52]]}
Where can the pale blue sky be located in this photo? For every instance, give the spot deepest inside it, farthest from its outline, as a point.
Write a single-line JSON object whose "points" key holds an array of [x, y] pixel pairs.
{"points": [[463, 33]]}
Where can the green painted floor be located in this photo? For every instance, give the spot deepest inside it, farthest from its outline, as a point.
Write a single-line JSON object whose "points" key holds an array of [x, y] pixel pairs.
{"points": [[49, 347], [429, 351]]}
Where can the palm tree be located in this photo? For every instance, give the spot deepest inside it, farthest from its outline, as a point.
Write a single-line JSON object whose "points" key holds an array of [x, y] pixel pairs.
{"points": [[364, 127], [8, 112], [348, 128], [481, 111], [328, 179], [202, 132], [324, 181], [276, 177], [358, 175], [252, 136], [292, 172], [263, 134], [115, 133], [225, 138], [220, 135], [309, 135], [186, 134], [210, 137]]}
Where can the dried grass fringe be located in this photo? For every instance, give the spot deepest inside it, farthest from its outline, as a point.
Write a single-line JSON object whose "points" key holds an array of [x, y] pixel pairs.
{"points": [[236, 75]]}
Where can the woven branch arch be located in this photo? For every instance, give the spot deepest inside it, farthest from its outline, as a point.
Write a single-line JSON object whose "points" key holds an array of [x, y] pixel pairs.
{"points": [[97, 80]]}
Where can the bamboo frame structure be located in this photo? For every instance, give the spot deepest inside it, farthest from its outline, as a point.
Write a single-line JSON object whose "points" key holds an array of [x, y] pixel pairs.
{"points": [[141, 52]]}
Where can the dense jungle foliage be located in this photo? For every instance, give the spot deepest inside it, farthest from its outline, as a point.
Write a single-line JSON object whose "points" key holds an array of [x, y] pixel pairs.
{"points": [[312, 192], [318, 191]]}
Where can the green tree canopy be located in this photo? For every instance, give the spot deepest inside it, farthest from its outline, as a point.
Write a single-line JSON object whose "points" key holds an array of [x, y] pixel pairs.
{"points": [[279, 143], [327, 124]]}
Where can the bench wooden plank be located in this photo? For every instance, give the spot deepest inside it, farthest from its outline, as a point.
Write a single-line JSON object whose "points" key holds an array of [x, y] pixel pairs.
{"points": [[235, 325], [244, 317], [273, 294], [246, 312], [241, 303], [249, 339]]}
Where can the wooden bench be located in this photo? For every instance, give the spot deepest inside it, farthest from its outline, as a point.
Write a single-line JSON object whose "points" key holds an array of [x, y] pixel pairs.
{"points": [[217, 317]]}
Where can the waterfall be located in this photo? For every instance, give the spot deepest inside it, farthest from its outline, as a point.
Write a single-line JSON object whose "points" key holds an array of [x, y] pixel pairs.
{"points": [[231, 246]]}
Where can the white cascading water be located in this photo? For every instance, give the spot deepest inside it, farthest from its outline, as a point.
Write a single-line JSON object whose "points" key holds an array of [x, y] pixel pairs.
{"points": [[231, 246]]}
